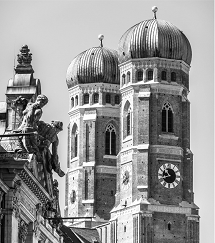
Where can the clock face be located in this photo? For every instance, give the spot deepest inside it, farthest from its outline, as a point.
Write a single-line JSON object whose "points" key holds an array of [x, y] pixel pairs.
{"points": [[126, 177], [169, 175]]}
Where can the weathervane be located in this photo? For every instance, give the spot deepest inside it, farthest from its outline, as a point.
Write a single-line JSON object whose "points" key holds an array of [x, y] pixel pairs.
{"points": [[154, 10], [101, 37]]}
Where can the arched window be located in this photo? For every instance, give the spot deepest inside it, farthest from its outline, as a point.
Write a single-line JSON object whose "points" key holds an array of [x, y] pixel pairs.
{"points": [[72, 102], [107, 98], [123, 79], [76, 145], [173, 76], [140, 75], [163, 75], [117, 99], [167, 118], [74, 141], [86, 99], [76, 100], [128, 77], [128, 121], [96, 98], [150, 75], [169, 225], [110, 140]]}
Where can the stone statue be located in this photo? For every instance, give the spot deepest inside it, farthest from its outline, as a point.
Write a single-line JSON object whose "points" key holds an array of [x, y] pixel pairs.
{"points": [[31, 116], [48, 136]]}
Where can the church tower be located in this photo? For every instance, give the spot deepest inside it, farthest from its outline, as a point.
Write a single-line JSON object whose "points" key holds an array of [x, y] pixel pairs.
{"points": [[93, 134], [154, 198]]}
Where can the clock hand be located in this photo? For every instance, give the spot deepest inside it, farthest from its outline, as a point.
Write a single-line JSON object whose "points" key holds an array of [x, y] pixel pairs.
{"points": [[166, 176]]}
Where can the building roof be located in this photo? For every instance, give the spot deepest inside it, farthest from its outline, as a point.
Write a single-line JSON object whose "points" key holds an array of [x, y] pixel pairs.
{"points": [[80, 235], [97, 64], [154, 38]]}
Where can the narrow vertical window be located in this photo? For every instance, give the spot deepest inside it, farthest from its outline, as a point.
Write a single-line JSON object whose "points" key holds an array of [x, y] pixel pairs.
{"points": [[163, 75], [107, 98], [173, 76], [169, 226], [116, 99], [96, 98], [128, 77], [72, 102], [86, 99], [139, 75], [128, 118], [123, 79], [150, 75], [76, 144], [76, 100], [167, 118], [110, 140]]}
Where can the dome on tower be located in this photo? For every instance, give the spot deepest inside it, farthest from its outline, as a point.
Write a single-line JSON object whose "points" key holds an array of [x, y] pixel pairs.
{"points": [[95, 65], [154, 38]]}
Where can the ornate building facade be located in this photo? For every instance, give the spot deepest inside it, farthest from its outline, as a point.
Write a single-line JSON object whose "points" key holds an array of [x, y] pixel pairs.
{"points": [[129, 137], [28, 194]]}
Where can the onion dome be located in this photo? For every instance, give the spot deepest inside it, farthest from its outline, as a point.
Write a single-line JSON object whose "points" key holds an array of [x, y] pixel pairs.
{"points": [[154, 38], [95, 65]]}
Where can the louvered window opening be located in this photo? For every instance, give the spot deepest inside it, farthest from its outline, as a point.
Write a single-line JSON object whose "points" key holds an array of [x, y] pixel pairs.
{"points": [[173, 76], [128, 77], [167, 118], [139, 75], [150, 75], [128, 121], [107, 98], [163, 75], [86, 99], [110, 140], [117, 99], [123, 79], [76, 100], [96, 98]]}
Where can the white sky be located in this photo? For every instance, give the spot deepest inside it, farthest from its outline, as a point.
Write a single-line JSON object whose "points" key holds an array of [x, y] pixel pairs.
{"points": [[56, 31]]}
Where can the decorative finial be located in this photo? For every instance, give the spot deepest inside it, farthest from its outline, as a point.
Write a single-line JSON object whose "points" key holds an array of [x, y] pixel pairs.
{"points": [[101, 37], [24, 59], [154, 10]]}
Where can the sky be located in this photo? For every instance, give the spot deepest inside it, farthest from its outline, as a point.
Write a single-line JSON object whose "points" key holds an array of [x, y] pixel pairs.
{"points": [[57, 31]]}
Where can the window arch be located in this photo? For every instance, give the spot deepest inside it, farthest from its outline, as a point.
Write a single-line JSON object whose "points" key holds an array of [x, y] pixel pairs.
{"points": [[72, 102], [86, 98], [128, 77], [173, 76], [139, 75], [163, 75], [150, 75], [74, 141], [76, 100], [96, 98], [107, 98], [110, 140], [123, 79], [167, 118]]}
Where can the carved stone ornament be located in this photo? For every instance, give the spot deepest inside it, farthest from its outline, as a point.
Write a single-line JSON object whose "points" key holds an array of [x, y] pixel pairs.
{"points": [[39, 211], [24, 57], [16, 198], [23, 231]]}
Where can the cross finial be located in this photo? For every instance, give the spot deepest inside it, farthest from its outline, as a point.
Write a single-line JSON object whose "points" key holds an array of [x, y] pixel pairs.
{"points": [[154, 10], [101, 37]]}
